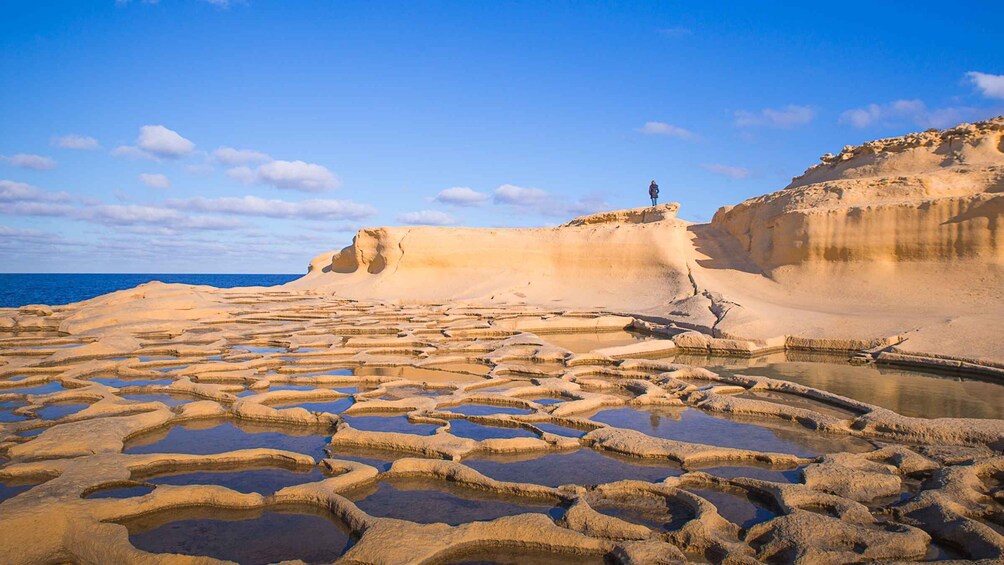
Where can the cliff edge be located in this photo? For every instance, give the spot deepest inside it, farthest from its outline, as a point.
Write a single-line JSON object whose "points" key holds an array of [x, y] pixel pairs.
{"points": [[895, 241], [930, 196]]}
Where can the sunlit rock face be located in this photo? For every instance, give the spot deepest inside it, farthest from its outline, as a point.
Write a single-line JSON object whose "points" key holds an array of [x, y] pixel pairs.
{"points": [[293, 425], [626, 387], [931, 196]]}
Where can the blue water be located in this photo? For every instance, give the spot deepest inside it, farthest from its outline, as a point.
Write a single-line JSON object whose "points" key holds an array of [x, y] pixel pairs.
{"points": [[19, 289]]}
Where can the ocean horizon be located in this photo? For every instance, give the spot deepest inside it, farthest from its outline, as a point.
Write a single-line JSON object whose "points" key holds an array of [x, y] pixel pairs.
{"points": [[21, 289]]}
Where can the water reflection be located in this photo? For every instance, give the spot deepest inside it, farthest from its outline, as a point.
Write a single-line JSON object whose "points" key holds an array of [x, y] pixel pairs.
{"points": [[441, 374], [581, 467], [57, 411], [465, 428], [263, 480], [330, 407], [694, 426], [10, 488], [164, 398], [389, 423], [753, 471], [736, 508], [922, 394], [247, 537], [586, 342], [473, 409], [428, 501], [203, 437]]}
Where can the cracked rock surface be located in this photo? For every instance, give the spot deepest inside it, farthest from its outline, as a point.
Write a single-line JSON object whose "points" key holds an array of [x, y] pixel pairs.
{"points": [[303, 426]]}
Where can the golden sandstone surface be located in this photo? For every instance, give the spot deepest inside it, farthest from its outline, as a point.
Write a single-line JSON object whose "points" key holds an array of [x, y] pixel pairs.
{"points": [[887, 252]]}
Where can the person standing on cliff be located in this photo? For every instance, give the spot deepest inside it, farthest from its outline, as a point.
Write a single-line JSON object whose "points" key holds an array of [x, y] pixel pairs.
{"points": [[653, 192]]}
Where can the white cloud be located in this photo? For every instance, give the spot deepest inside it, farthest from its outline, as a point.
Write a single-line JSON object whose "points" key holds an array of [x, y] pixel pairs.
{"points": [[37, 208], [199, 169], [461, 196], [163, 142], [243, 174], [124, 214], [7, 231], [270, 208], [20, 199], [231, 156], [19, 241], [518, 195], [211, 223], [155, 180], [155, 142], [150, 219], [73, 141], [727, 170], [662, 128], [864, 117], [131, 152], [289, 175], [29, 161], [537, 201], [11, 191], [788, 117], [427, 218], [991, 86], [581, 207], [914, 112]]}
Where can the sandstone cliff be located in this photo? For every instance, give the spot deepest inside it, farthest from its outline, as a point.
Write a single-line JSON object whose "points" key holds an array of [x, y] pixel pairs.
{"points": [[621, 259], [896, 239], [931, 196]]}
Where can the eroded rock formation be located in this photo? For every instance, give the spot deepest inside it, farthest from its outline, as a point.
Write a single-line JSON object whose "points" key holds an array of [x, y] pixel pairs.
{"points": [[387, 391]]}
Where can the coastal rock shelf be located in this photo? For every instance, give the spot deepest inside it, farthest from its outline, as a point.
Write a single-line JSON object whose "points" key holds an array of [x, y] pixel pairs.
{"points": [[261, 425]]}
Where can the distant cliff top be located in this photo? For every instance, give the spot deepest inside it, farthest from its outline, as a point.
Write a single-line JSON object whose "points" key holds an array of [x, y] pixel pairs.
{"points": [[979, 144], [643, 215]]}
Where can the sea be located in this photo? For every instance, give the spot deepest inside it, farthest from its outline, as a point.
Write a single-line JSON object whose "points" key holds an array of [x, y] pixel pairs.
{"points": [[20, 289]]}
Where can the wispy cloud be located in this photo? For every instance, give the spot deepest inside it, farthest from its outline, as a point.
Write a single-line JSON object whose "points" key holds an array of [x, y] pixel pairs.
{"points": [[272, 208], [461, 196], [991, 86], [914, 112], [157, 216], [788, 117], [29, 161], [155, 180], [231, 156], [662, 128], [427, 218], [727, 170], [537, 201], [519, 196], [289, 175], [21, 199], [12, 191], [73, 141], [132, 152]]}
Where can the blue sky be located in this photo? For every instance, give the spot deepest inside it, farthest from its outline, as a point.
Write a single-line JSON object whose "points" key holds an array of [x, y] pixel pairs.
{"points": [[215, 136]]}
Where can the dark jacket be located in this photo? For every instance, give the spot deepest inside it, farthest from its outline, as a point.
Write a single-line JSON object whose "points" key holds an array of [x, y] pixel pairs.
{"points": [[653, 190]]}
